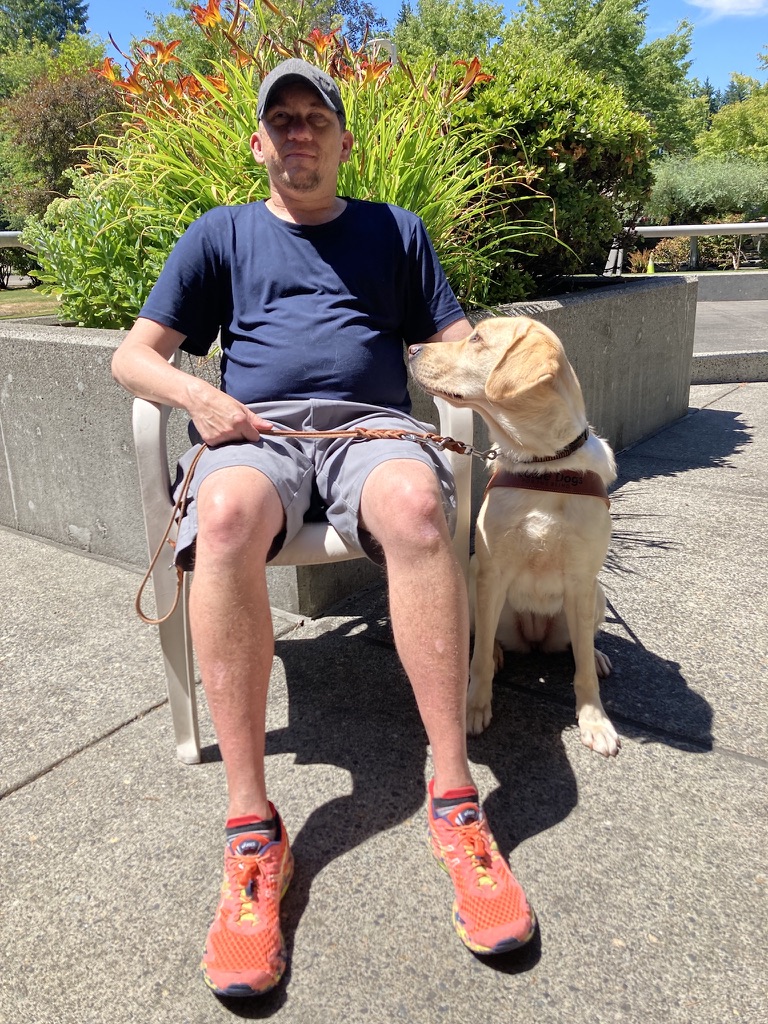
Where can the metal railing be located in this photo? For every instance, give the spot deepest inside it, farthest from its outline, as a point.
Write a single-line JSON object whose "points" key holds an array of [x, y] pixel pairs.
{"points": [[10, 240], [615, 262]]}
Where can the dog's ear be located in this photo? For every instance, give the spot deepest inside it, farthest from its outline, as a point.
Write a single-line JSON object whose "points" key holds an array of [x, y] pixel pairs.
{"points": [[530, 360]]}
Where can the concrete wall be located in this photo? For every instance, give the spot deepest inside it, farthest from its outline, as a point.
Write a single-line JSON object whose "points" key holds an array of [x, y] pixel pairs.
{"points": [[731, 285], [631, 346], [68, 470]]}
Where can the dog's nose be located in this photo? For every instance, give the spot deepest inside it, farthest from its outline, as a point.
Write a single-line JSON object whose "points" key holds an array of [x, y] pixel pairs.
{"points": [[413, 350]]}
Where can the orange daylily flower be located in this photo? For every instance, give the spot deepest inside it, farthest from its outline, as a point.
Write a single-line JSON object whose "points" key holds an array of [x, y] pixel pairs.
{"points": [[338, 69], [163, 53], [472, 76], [242, 57], [191, 87], [108, 70], [208, 16], [132, 84], [219, 84], [372, 71], [320, 41], [172, 90]]}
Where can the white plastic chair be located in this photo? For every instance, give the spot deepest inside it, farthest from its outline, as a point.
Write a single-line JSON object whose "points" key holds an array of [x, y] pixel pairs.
{"points": [[315, 544]]}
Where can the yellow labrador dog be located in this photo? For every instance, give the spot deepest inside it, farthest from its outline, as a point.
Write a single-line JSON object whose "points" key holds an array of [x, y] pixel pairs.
{"points": [[544, 526]]}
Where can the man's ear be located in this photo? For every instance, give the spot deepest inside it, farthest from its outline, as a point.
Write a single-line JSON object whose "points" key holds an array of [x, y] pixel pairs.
{"points": [[256, 149], [347, 142]]}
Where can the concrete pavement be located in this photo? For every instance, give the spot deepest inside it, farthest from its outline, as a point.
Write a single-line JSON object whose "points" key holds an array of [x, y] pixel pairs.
{"points": [[649, 873], [731, 342]]}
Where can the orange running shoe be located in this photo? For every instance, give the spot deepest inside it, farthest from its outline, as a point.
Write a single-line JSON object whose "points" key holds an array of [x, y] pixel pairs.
{"points": [[490, 912], [245, 952]]}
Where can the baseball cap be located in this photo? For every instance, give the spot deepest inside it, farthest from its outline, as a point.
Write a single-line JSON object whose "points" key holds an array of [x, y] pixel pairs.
{"points": [[296, 70]]}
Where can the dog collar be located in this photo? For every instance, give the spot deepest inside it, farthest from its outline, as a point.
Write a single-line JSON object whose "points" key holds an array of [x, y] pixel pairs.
{"points": [[562, 481], [563, 452]]}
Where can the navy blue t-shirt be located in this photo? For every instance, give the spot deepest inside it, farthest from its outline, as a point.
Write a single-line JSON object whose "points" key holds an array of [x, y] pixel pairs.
{"points": [[306, 311]]}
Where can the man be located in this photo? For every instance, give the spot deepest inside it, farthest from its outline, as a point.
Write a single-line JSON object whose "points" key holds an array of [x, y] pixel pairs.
{"points": [[314, 296]]}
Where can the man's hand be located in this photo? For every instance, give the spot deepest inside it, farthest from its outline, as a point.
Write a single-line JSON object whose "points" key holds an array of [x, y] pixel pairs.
{"points": [[141, 364], [219, 418]]}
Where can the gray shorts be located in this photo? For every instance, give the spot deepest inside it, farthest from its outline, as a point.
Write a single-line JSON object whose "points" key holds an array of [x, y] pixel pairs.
{"points": [[316, 478]]}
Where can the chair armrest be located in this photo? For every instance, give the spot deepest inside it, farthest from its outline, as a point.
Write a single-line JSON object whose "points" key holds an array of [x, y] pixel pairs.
{"points": [[150, 424], [459, 424]]}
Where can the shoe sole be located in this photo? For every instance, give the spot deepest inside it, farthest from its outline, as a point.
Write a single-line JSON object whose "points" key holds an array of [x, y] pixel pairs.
{"points": [[506, 945], [238, 991]]}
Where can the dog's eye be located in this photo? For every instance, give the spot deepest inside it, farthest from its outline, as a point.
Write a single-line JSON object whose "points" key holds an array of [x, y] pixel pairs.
{"points": [[474, 336]]}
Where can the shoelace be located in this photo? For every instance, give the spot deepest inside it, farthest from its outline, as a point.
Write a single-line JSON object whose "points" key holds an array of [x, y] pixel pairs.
{"points": [[475, 845], [249, 877]]}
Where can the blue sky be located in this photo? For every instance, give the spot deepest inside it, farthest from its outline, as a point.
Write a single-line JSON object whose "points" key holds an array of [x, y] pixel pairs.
{"points": [[727, 36]]}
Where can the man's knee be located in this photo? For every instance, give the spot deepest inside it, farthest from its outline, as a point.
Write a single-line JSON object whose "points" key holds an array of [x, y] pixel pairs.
{"points": [[238, 511], [402, 507]]}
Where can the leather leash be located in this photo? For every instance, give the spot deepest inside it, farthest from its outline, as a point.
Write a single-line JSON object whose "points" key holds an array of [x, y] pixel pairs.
{"points": [[436, 440]]}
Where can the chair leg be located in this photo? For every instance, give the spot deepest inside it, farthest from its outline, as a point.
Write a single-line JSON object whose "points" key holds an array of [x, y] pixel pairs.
{"points": [[176, 644]]}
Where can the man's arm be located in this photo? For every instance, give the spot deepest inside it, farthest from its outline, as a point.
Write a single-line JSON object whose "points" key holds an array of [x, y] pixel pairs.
{"points": [[140, 364], [453, 332]]}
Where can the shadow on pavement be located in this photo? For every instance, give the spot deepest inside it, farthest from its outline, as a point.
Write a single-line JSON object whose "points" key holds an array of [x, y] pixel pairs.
{"points": [[704, 439]]}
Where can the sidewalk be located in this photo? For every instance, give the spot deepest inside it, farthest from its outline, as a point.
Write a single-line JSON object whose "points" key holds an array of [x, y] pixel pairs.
{"points": [[649, 873]]}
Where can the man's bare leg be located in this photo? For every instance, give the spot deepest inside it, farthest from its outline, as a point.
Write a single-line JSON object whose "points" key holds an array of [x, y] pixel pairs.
{"points": [[239, 514], [401, 507]]}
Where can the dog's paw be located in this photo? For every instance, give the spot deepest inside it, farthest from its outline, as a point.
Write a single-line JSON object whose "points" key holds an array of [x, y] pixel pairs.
{"points": [[478, 718], [603, 664], [498, 657], [479, 698], [598, 733]]}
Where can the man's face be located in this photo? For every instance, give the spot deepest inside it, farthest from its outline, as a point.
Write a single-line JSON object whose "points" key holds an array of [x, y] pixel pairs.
{"points": [[300, 141]]}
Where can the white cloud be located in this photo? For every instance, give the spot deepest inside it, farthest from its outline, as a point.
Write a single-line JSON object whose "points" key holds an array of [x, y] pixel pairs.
{"points": [[724, 8]]}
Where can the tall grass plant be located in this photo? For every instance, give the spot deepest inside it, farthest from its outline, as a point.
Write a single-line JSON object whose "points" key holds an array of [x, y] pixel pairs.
{"points": [[185, 149]]}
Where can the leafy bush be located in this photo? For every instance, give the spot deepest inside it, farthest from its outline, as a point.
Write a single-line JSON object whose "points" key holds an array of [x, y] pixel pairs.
{"points": [[705, 189], [588, 154], [672, 253], [715, 252], [42, 127], [95, 256], [186, 150]]}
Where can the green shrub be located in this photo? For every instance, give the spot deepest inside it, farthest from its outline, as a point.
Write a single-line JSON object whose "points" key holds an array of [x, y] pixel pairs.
{"points": [[186, 149], [98, 259], [588, 154], [672, 253], [700, 190]]}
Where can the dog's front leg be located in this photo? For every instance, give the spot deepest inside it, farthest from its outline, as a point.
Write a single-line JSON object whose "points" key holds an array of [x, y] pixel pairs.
{"points": [[595, 727], [490, 594]]}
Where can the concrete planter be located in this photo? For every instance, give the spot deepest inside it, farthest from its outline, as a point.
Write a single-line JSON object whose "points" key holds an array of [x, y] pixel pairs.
{"points": [[69, 473]]}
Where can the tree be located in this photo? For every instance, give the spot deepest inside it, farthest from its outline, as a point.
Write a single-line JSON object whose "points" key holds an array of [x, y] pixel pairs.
{"points": [[46, 20], [739, 129], [458, 28], [29, 59], [43, 130], [739, 89], [600, 36], [358, 20], [605, 38]]}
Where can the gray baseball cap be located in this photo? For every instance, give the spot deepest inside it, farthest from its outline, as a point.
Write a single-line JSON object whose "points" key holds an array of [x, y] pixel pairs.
{"points": [[295, 70]]}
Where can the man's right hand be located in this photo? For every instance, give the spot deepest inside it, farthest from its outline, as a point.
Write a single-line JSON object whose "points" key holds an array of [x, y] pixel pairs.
{"points": [[219, 418]]}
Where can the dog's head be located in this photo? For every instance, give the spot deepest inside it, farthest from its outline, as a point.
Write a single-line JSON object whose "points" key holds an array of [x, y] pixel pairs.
{"points": [[513, 371]]}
